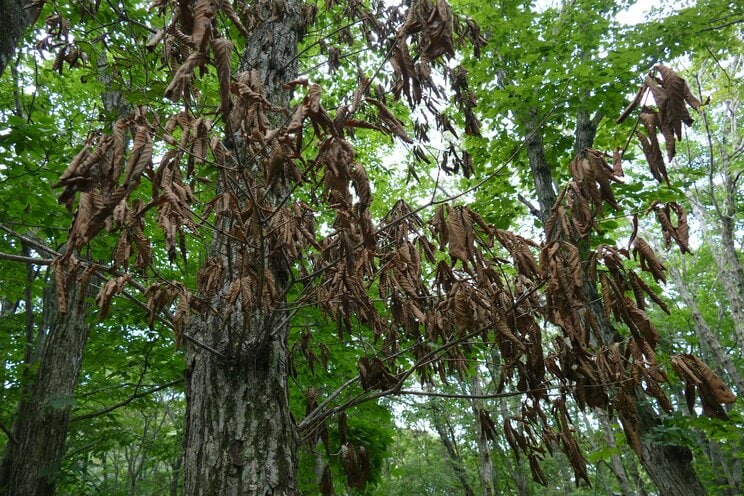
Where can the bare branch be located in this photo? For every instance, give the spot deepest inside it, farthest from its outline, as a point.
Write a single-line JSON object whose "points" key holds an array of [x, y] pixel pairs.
{"points": [[125, 402]]}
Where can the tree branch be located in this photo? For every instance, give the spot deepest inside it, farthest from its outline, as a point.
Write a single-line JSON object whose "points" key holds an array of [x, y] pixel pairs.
{"points": [[532, 209], [127, 401], [721, 26], [22, 259], [8, 433]]}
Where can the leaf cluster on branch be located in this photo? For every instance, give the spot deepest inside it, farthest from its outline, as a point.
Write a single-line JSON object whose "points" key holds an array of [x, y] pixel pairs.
{"points": [[671, 95]]}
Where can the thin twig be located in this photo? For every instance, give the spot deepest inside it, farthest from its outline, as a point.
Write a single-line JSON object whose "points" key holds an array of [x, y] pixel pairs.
{"points": [[127, 401]]}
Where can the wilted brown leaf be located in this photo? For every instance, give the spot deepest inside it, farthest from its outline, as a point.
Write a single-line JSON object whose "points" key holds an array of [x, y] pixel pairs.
{"points": [[648, 259], [111, 288], [222, 49], [391, 123]]}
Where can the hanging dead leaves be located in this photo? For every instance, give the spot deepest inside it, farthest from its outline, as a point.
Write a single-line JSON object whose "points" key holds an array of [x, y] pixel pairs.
{"points": [[96, 173], [437, 287], [665, 214], [671, 95], [698, 376]]}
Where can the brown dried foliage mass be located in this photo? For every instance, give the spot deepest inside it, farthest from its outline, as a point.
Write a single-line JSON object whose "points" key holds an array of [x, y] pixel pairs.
{"points": [[447, 283], [672, 95]]}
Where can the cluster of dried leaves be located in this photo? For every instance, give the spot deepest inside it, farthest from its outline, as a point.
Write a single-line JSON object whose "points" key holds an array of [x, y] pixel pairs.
{"points": [[672, 95], [427, 289]]}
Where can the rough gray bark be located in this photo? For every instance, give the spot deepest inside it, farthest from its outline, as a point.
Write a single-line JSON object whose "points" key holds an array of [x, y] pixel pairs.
{"points": [[13, 23], [30, 465], [16, 17], [542, 177], [240, 438], [586, 130], [669, 467]]}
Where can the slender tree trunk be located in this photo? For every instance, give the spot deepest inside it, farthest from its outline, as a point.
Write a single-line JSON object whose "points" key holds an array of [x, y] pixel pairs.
{"points": [[17, 15], [616, 463], [707, 338], [730, 265], [30, 466], [730, 269], [724, 207], [485, 465], [175, 477], [635, 475], [517, 470], [542, 177], [448, 441], [724, 366], [240, 437]]}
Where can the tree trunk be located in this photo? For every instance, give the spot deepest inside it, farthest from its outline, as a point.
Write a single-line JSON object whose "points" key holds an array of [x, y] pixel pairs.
{"points": [[541, 175], [730, 270], [724, 366], [670, 467], [640, 484], [175, 478], [616, 463], [586, 130], [240, 437], [485, 465], [17, 16], [517, 470], [31, 464], [453, 455]]}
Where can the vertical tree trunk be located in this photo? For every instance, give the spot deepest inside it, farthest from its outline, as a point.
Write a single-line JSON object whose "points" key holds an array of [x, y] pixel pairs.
{"points": [[30, 465], [640, 484], [729, 144], [542, 177], [730, 269], [709, 343], [616, 464], [438, 419], [240, 437], [17, 16], [485, 465], [517, 470], [666, 464], [175, 478]]}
